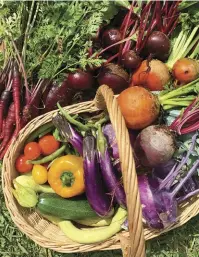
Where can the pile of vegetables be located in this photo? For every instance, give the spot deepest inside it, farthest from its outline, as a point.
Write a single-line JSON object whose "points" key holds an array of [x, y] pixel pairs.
{"points": [[68, 173], [63, 51], [147, 52]]}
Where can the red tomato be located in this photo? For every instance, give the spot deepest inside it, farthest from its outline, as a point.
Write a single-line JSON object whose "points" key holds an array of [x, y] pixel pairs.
{"points": [[48, 144], [32, 151], [22, 165]]}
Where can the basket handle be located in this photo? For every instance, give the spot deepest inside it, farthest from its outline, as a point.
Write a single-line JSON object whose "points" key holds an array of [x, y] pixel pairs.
{"points": [[136, 245]]}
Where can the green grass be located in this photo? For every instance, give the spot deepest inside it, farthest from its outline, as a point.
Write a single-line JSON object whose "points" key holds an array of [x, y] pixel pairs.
{"points": [[182, 242]]}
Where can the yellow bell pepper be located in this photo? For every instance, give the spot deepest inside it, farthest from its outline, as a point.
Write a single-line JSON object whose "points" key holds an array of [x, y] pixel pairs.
{"points": [[66, 176]]}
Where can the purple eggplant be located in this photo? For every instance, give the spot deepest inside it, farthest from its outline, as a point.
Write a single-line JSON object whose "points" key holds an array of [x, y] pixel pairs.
{"points": [[99, 200], [68, 133], [109, 133], [112, 183]]}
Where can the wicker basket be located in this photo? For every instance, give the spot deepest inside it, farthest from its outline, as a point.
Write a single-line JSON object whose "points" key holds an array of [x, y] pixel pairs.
{"points": [[50, 236]]}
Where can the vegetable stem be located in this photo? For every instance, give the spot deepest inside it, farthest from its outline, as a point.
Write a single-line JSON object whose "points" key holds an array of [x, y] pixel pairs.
{"points": [[101, 140], [188, 88], [50, 157], [72, 120]]}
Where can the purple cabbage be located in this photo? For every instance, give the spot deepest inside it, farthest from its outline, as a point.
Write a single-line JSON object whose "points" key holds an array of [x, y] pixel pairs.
{"points": [[96, 194], [68, 133]]}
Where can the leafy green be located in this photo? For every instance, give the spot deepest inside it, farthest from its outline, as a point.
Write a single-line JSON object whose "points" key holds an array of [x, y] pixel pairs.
{"points": [[54, 37], [185, 40]]}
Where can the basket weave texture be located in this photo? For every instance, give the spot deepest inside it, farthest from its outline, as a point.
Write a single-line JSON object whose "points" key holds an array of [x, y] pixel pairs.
{"points": [[49, 235]]}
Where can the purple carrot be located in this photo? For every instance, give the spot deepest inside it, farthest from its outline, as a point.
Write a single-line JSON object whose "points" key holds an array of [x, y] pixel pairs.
{"points": [[13, 136], [9, 127], [5, 100], [31, 109], [16, 88]]}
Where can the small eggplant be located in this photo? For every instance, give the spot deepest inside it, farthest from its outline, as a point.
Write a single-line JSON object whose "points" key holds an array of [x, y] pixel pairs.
{"points": [[112, 183], [68, 132], [95, 190]]}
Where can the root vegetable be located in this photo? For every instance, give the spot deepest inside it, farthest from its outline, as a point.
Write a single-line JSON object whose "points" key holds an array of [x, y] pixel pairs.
{"points": [[186, 70], [153, 75], [158, 45], [80, 80], [131, 60], [114, 76], [139, 107], [110, 37], [154, 145]]}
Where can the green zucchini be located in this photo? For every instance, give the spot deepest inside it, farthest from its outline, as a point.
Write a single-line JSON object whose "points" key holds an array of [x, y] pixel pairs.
{"points": [[75, 208]]}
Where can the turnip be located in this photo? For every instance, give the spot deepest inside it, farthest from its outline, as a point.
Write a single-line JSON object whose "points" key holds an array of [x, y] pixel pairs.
{"points": [[154, 145]]}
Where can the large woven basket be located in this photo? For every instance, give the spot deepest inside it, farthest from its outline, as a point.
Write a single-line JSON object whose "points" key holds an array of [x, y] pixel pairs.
{"points": [[50, 236]]}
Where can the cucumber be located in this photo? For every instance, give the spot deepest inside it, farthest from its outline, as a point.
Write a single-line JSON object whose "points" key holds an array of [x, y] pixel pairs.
{"points": [[75, 208]]}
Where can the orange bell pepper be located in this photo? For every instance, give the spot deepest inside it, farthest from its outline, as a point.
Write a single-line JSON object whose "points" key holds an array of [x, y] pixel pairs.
{"points": [[66, 176]]}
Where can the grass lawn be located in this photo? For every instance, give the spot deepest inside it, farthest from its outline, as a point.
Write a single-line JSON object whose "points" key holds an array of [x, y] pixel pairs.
{"points": [[181, 242]]}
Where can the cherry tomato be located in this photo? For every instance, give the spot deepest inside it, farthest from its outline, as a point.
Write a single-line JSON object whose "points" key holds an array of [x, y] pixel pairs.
{"points": [[32, 150], [39, 174], [48, 144], [22, 164]]}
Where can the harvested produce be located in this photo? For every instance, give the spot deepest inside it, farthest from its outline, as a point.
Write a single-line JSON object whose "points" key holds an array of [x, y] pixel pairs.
{"points": [[68, 133], [187, 122], [110, 37], [27, 180], [114, 76], [39, 174], [48, 144], [22, 165], [59, 53], [65, 176], [96, 193], [71, 209], [32, 150], [80, 80], [131, 60], [153, 75], [92, 236], [115, 188], [158, 45], [139, 107], [186, 70], [25, 196], [50, 157], [159, 197], [154, 145], [95, 222]]}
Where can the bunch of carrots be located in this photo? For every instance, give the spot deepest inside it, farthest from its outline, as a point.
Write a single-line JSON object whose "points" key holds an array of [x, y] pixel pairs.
{"points": [[19, 104]]}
